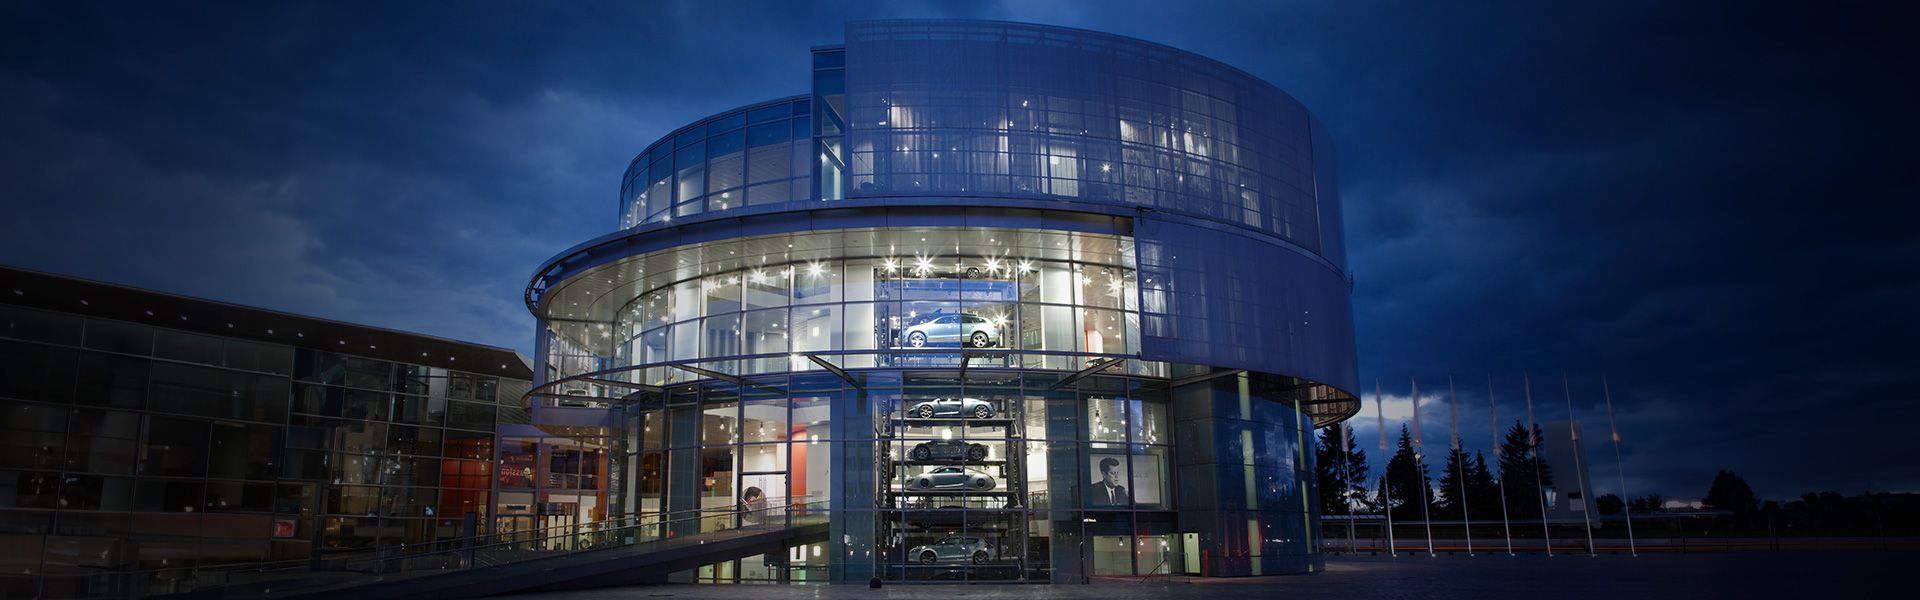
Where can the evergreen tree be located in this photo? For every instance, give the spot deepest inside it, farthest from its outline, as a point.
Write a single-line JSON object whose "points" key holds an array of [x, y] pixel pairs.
{"points": [[1519, 475], [1453, 477], [1342, 474], [1357, 471], [1326, 466], [1483, 492], [1405, 479]]}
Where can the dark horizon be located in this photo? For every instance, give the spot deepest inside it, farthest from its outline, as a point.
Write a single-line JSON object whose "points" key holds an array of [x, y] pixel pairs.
{"points": [[1701, 204]]}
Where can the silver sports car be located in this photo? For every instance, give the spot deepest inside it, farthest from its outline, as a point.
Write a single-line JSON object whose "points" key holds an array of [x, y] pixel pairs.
{"points": [[951, 329], [952, 549], [951, 478], [969, 407]]}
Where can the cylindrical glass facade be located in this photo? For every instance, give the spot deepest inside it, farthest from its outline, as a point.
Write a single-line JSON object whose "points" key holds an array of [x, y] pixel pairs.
{"points": [[1005, 302]]}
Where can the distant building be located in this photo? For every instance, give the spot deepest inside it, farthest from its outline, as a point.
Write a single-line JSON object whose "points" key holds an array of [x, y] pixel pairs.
{"points": [[146, 434], [1570, 498]]}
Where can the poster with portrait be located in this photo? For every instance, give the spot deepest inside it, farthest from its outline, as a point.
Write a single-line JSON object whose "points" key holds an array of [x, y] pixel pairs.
{"points": [[1120, 480]]}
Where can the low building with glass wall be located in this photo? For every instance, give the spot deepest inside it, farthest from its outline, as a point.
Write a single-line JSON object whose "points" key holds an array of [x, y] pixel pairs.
{"points": [[1006, 302], [154, 441]]}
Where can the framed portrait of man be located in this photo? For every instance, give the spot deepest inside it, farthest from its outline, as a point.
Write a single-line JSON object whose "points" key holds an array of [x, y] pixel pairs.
{"points": [[1123, 480]]}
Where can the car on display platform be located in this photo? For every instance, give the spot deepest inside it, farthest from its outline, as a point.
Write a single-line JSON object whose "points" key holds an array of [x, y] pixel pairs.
{"points": [[958, 407], [951, 478], [948, 450], [950, 329], [953, 548]]}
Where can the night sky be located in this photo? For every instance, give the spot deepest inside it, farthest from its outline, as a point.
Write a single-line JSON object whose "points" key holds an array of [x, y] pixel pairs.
{"points": [[1715, 208]]}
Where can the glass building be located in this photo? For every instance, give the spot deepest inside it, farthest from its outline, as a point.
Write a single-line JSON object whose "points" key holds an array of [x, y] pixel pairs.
{"points": [[1008, 302], [148, 437]]}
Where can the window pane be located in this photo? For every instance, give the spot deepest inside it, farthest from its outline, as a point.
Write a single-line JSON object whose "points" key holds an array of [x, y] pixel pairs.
{"points": [[39, 326], [178, 345], [114, 336], [176, 447], [767, 287]]}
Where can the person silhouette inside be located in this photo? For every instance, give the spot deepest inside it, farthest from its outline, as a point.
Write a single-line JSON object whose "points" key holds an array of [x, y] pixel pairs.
{"points": [[1108, 491], [752, 503]]}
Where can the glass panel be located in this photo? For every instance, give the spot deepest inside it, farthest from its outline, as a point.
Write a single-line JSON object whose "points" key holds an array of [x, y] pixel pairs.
{"points": [[39, 326], [174, 447], [722, 293], [765, 420], [727, 123], [815, 328], [767, 287], [722, 336], [818, 281], [179, 345], [691, 177], [766, 333]]}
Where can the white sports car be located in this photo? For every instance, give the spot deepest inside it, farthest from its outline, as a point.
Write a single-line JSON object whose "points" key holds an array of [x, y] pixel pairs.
{"points": [[952, 549], [969, 407], [951, 478]]}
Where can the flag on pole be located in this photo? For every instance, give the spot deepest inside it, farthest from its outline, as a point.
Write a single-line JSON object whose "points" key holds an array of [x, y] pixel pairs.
{"points": [[1533, 436], [1612, 428], [1453, 413], [1493, 418], [1380, 413], [1416, 414]]}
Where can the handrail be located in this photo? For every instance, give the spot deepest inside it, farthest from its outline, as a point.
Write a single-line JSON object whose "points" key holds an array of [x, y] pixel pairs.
{"points": [[548, 389], [388, 551], [496, 548], [1156, 568]]}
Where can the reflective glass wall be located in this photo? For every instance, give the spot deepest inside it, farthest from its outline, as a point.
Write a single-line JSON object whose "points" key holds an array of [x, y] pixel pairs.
{"points": [[133, 453], [974, 109], [753, 156], [982, 108]]}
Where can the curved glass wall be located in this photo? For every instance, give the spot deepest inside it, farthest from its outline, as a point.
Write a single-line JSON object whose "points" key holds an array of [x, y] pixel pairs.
{"points": [[756, 155], [981, 108], [984, 110], [910, 297]]}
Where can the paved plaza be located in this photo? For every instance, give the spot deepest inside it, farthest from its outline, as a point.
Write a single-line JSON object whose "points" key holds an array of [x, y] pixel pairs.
{"points": [[1724, 575]]}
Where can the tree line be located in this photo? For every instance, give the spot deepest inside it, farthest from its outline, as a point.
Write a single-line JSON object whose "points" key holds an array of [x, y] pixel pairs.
{"points": [[1469, 485]]}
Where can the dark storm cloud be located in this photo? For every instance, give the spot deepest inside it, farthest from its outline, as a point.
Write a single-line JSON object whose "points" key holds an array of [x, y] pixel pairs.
{"points": [[1708, 204]]}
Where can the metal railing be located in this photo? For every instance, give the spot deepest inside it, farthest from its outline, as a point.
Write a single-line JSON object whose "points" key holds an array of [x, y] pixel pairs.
{"points": [[634, 534]]}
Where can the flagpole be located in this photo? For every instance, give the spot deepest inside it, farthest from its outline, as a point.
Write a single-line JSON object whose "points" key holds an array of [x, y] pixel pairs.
{"points": [[1493, 416], [1533, 447], [1420, 469], [1621, 467], [1346, 478], [1386, 494], [1579, 470], [1459, 469]]}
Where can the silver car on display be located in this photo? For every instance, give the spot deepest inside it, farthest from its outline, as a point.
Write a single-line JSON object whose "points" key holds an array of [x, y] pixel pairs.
{"points": [[950, 329], [969, 407], [952, 549], [951, 478]]}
